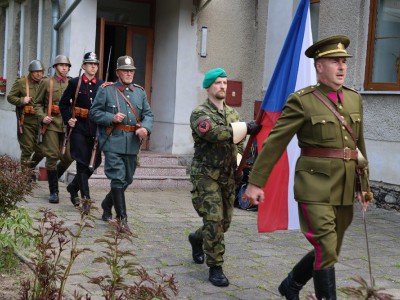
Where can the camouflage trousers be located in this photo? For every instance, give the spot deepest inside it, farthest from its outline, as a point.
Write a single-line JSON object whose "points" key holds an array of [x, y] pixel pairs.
{"points": [[213, 200]]}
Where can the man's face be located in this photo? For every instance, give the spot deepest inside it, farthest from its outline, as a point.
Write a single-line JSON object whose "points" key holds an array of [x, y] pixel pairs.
{"points": [[37, 75], [90, 68], [125, 76], [218, 88], [332, 71], [62, 69]]}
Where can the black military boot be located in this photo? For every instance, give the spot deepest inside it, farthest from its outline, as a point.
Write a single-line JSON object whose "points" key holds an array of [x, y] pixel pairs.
{"points": [[107, 205], [83, 180], [325, 284], [217, 276], [73, 189], [53, 186], [118, 197], [197, 248], [297, 278]]}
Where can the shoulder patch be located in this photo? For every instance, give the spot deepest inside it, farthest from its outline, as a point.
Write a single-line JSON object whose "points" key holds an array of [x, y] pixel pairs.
{"points": [[107, 84], [140, 87], [350, 89], [204, 126], [305, 91]]}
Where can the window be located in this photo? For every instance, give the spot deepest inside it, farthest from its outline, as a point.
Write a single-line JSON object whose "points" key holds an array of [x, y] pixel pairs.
{"points": [[314, 14], [383, 52]]}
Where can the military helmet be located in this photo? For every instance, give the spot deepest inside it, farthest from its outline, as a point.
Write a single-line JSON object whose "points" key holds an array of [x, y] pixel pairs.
{"points": [[125, 63], [35, 65], [90, 57], [61, 59]]}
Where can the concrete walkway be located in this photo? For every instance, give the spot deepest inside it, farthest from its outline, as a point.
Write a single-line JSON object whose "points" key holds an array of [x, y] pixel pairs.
{"points": [[254, 263]]}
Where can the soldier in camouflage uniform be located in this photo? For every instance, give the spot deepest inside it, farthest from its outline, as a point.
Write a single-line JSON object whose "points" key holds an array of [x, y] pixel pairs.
{"points": [[53, 136], [31, 153], [325, 176], [218, 143], [124, 119]]}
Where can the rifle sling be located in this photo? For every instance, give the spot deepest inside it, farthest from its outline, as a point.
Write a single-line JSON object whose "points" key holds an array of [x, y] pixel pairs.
{"points": [[44, 128], [337, 115]]}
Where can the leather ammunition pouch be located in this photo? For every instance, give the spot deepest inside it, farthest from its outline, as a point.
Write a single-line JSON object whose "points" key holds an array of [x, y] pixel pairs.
{"points": [[81, 112], [28, 110], [55, 109]]}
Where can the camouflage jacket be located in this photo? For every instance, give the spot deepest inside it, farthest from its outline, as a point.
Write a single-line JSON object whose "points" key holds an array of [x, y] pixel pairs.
{"points": [[214, 151]]}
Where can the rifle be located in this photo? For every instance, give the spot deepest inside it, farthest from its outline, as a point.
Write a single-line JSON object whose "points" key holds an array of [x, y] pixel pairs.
{"points": [[19, 123], [96, 141], [68, 131], [44, 127]]}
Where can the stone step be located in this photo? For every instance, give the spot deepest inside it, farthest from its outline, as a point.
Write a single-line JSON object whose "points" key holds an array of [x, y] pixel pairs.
{"points": [[153, 170]]}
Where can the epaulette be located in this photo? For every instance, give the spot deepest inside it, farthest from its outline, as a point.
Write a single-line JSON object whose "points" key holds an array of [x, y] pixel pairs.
{"points": [[140, 87], [305, 90], [350, 89], [107, 84]]}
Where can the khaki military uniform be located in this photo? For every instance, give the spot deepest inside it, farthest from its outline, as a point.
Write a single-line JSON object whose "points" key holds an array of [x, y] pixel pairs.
{"points": [[324, 187], [54, 136], [28, 140], [212, 175]]}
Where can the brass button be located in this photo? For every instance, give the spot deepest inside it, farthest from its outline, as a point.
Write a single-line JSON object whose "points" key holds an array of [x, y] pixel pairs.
{"points": [[312, 170], [340, 107], [343, 127], [342, 117], [323, 121], [358, 119], [345, 138]]}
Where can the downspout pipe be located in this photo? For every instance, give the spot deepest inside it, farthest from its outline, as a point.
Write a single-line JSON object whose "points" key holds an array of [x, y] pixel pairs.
{"points": [[54, 34], [40, 29], [66, 14]]}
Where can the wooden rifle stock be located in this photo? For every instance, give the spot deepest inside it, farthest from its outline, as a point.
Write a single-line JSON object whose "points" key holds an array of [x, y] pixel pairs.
{"points": [[50, 104], [246, 151], [19, 123], [94, 155]]}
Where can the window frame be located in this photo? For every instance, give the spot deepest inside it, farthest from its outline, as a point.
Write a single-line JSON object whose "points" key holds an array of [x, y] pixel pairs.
{"points": [[368, 83]]}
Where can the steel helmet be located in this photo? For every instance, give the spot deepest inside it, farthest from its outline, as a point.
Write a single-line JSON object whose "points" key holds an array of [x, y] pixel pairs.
{"points": [[125, 63], [90, 57], [61, 59], [35, 65]]}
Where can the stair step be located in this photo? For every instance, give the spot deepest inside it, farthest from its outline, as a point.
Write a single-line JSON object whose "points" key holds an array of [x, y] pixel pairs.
{"points": [[160, 170]]}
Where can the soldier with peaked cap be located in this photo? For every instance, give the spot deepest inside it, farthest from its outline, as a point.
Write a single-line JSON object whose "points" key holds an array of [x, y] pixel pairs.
{"points": [[51, 89], [218, 145], [124, 119], [325, 176], [83, 132], [22, 95]]}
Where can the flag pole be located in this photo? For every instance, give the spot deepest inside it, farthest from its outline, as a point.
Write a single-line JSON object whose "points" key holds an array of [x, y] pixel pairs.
{"points": [[246, 151]]}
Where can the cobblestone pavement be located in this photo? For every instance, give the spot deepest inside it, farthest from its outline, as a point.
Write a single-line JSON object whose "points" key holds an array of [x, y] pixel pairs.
{"points": [[254, 263]]}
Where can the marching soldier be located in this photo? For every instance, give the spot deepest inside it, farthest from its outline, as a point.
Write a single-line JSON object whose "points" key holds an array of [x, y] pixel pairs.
{"points": [[22, 95], [47, 109], [328, 121], [75, 113], [218, 146], [124, 118]]}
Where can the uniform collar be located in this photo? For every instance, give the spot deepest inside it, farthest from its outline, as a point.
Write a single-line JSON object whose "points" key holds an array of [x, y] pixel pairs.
{"points": [[213, 107], [330, 92], [86, 80], [60, 78], [121, 87]]}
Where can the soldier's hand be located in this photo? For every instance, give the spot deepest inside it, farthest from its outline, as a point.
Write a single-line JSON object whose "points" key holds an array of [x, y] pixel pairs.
{"points": [[253, 127], [71, 122], [254, 194], [118, 118], [141, 133], [27, 99], [47, 120]]}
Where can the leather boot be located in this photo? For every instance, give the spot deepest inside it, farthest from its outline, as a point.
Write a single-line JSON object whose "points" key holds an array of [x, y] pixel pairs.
{"points": [[106, 205], [217, 276], [297, 278], [73, 189], [325, 284], [118, 197], [53, 186], [61, 170], [197, 248], [83, 180]]}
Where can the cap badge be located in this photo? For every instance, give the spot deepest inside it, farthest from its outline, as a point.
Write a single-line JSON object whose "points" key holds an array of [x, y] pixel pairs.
{"points": [[340, 46], [127, 61], [92, 55]]}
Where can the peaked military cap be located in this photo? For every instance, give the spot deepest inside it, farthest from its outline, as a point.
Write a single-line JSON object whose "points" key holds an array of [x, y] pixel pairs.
{"points": [[125, 63], [334, 46], [90, 57]]}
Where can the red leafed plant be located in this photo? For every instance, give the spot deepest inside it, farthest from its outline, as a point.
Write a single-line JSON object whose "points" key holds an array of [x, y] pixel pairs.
{"points": [[3, 81]]}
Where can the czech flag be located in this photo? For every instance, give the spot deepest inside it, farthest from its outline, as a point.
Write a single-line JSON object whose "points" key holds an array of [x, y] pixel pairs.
{"points": [[292, 72]]}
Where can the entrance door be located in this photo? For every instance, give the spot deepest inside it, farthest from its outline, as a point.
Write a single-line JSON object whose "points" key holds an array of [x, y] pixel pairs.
{"points": [[115, 40]]}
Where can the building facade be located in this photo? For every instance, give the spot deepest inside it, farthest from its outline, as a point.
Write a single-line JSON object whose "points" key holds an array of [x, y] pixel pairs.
{"points": [[175, 42]]}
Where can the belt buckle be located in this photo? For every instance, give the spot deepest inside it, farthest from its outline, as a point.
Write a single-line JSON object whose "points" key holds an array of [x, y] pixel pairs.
{"points": [[346, 154]]}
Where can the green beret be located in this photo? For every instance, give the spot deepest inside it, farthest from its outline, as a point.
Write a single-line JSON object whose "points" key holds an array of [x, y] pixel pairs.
{"points": [[334, 46], [212, 75]]}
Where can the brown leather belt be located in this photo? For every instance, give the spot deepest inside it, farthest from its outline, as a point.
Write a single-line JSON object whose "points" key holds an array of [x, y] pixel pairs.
{"points": [[127, 128], [345, 154]]}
